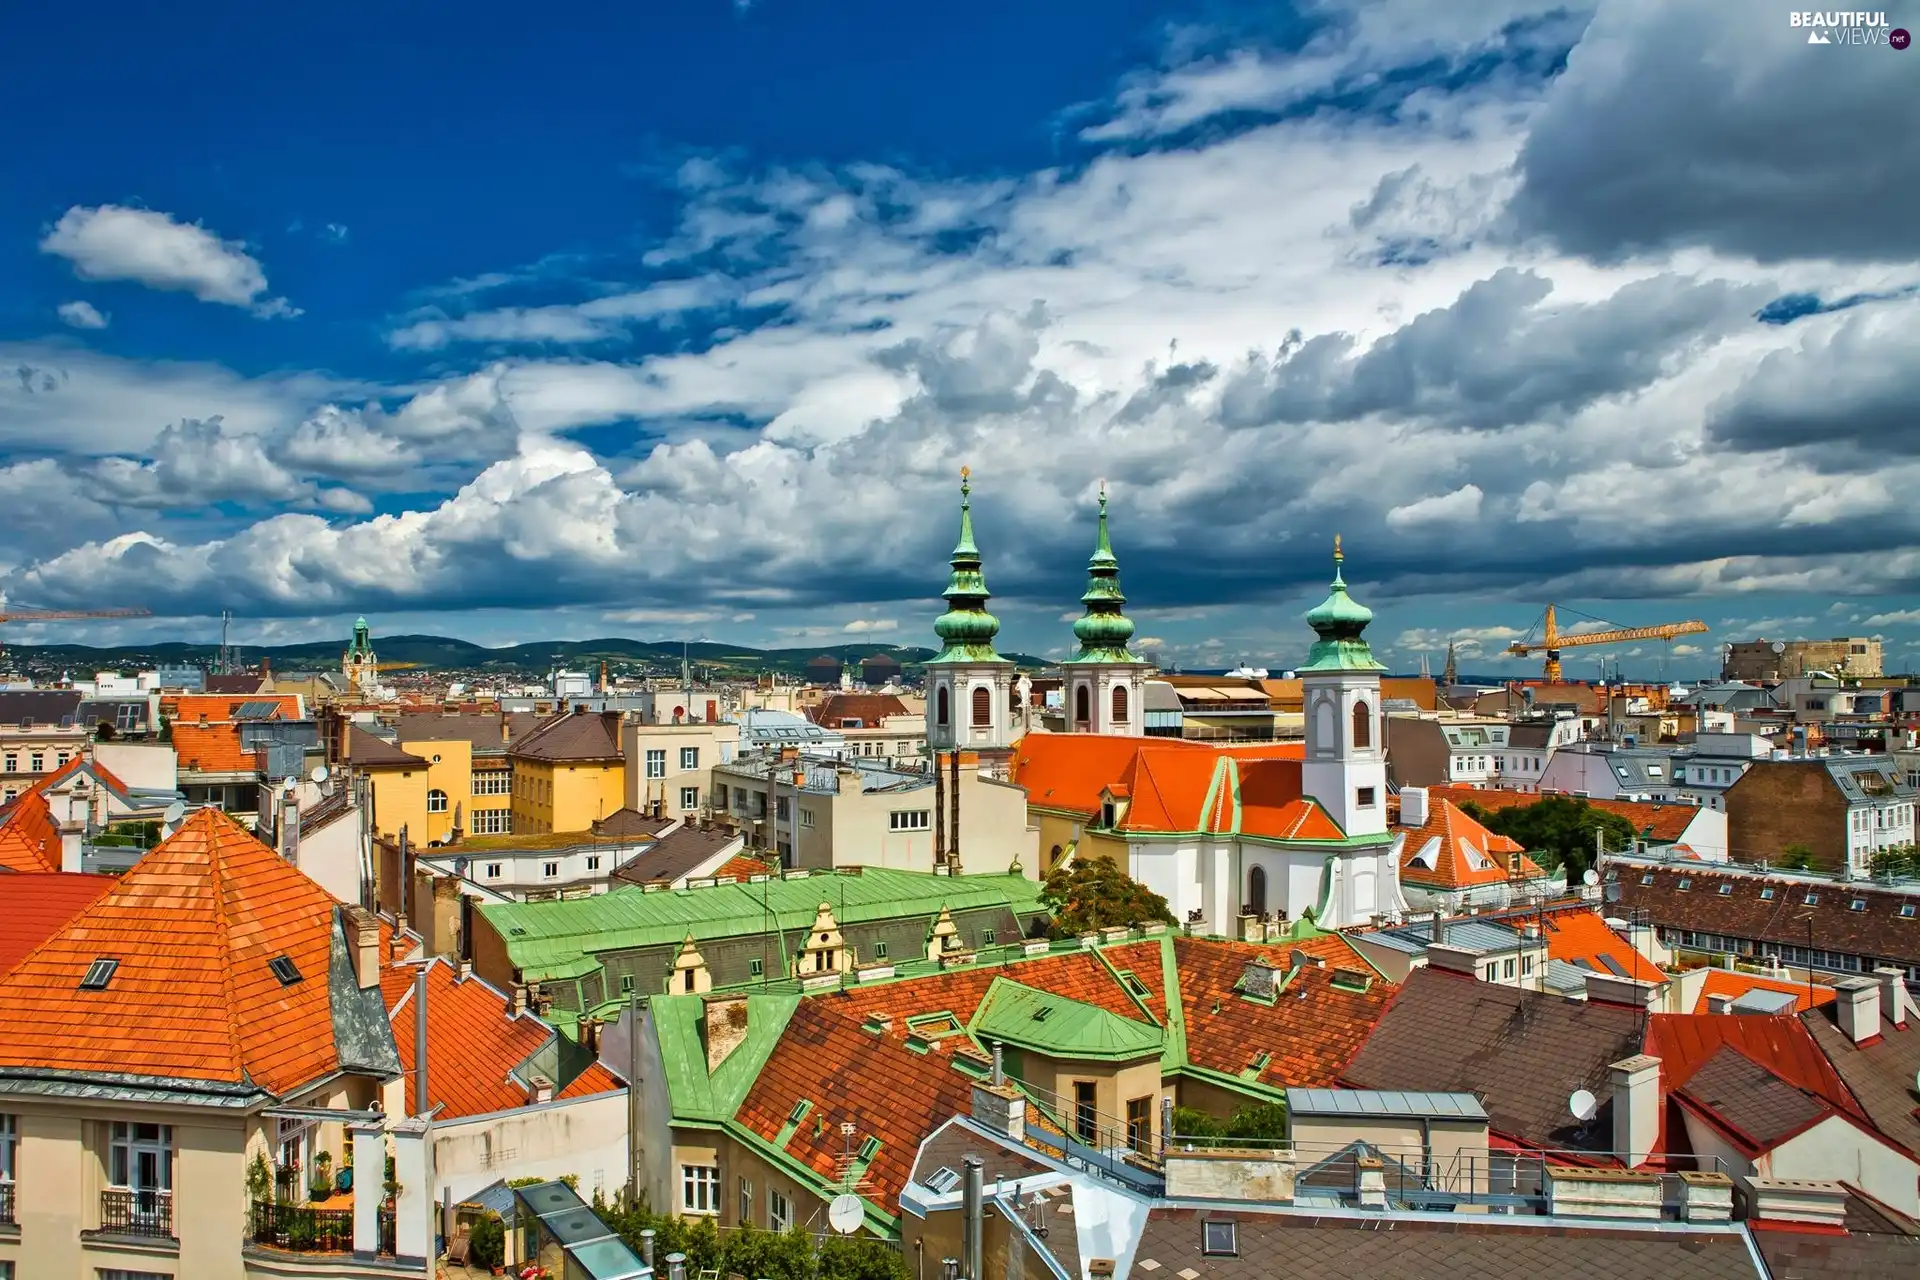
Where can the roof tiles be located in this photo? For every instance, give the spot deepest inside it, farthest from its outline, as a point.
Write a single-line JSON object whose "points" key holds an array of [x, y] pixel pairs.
{"points": [[1452, 850], [39, 905]]}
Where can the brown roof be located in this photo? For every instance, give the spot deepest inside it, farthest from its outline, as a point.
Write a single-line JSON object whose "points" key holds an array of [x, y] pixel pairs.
{"points": [[630, 822], [1309, 1246], [519, 724], [866, 710], [1523, 1052], [243, 683], [367, 749], [678, 854], [577, 735], [948, 1147], [1796, 1255], [1770, 909], [482, 729], [1755, 1104], [1881, 1075]]}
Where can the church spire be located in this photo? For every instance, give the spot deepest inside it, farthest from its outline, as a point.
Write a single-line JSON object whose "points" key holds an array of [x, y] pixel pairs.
{"points": [[966, 629], [1340, 622], [1105, 630]]}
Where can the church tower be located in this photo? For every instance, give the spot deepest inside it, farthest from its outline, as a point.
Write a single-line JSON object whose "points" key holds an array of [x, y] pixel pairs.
{"points": [[1346, 762], [362, 672], [1105, 684], [969, 685]]}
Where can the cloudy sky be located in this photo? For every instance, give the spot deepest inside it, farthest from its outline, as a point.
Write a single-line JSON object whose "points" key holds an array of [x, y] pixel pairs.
{"points": [[680, 319]]}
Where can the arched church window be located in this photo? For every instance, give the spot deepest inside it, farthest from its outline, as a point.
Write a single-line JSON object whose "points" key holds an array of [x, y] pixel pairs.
{"points": [[1119, 704], [1082, 705], [982, 706], [940, 709], [1362, 725], [1257, 891]]}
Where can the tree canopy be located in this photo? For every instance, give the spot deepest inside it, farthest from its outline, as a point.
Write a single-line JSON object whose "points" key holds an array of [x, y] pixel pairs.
{"points": [[1094, 893], [1558, 831]]}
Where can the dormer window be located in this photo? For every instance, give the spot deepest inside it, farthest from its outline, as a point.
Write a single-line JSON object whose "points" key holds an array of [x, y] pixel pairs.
{"points": [[1108, 813]]}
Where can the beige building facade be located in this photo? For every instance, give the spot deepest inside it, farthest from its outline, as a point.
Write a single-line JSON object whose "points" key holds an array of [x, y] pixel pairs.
{"points": [[668, 765]]}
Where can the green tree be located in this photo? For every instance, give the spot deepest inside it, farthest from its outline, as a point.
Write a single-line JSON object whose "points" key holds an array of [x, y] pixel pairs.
{"points": [[1895, 860], [1094, 893], [1557, 831], [860, 1258], [769, 1254], [487, 1241], [1796, 857], [1254, 1122]]}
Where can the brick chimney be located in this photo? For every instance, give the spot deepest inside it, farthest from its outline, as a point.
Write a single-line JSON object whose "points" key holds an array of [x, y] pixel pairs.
{"points": [[1858, 1009]]}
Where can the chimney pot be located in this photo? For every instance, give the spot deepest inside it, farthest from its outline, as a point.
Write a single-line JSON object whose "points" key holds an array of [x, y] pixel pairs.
{"points": [[1413, 806], [365, 934], [1636, 1107], [1859, 1008]]}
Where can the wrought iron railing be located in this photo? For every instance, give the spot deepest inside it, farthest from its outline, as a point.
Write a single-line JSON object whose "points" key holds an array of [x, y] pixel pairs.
{"points": [[300, 1228], [6, 1202], [137, 1213], [387, 1234]]}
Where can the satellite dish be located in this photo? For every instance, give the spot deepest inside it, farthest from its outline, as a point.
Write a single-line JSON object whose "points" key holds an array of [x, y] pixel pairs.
{"points": [[319, 775], [1583, 1105], [845, 1213], [291, 785], [174, 813], [1779, 647], [1591, 877]]}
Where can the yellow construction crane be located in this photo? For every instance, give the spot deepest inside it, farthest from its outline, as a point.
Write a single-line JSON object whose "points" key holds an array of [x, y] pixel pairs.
{"points": [[62, 615], [1552, 640], [396, 666]]}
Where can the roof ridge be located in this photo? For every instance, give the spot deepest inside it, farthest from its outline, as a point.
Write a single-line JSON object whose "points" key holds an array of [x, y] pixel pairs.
{"points": [[224, 933]]}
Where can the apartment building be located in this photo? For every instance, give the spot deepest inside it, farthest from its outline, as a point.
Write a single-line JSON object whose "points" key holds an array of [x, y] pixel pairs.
{"points": [[1431, 752], [859, 812], [40, 730], [568, 773], [213, 1013], [1842, 809], [667, 765], [874, 725], [1771, 660]]}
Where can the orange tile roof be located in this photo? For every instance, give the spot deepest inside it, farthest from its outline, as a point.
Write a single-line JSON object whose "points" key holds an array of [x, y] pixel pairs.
{"points": [[1583, 938], [39, 904], [29, 838], [100, 772], [740, 867], [1660, 822], [190, 708], [1453, 851], [878, 1085], [212, 748], [1310, 1032], [473, 1043], [1185, 790], [193, 926], [1733, 985]]}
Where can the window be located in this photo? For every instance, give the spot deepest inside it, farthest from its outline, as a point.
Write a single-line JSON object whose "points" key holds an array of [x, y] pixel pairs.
{"points": [[98, 975], [1085, 1116], [37, 762], [1364, 797], [111, 1273], [1082, 705], [1906, 911], [689, 758], [551, 870], [140, 1157], [1362, 726], [1493, 973], [1726, 890], [9, 1137], [940, 716], [1858, 904], [1812, 899], [1526, 966], [1766, 894], [1646, 877], [780, 809], [1257, 891], [436, 801], [1685, 882], [657, 763], [988, 937], [779, 1211], [1119, 704], [746, 1202], [1220, 1239], [910, 820], [285, 970], [1507, 969], [879, 951], [689, 799], [593, 862], [494, 782], [806, 819], [699, 1188], [491, 822], [982, 706], [756, 967], [1139, 1123], [13, 763], [493, 871]]}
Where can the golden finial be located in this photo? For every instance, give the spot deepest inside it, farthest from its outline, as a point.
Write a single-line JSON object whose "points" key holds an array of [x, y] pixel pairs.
{"points": [[965, 472], [1336, 548]]}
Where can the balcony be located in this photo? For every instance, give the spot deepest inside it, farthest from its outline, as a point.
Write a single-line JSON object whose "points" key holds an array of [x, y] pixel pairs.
{"points": [[6, 1204], [136, 1213], [300, 1228]]}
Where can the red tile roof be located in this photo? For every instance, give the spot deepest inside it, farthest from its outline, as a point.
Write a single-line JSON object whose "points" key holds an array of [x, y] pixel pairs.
{"points": [[101, 774], [212, 748], [39, 905], [1310, 1032], [191, 708], [1733, 985], [1453, 851], [1583, 938], [193, 926], [1663, 823], [1782, 1046], [867, 709], [29, 839], [1077, 975], [473, 1043]]}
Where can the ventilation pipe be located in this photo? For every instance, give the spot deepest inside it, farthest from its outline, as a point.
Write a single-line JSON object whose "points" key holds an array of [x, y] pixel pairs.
{"points": [[971, 1199]]}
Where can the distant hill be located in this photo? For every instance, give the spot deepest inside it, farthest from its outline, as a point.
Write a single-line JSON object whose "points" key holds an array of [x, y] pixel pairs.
{"points": [[443, 653]]}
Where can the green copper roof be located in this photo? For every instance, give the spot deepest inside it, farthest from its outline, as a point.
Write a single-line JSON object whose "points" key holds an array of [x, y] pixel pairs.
{"points": [[1104, 631], [966, 629], [1016, 1014], [549, 939], [1339, 621], [683, 1053]]}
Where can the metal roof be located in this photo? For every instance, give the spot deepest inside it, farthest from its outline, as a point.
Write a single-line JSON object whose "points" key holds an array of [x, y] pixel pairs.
{"points": [[1384, 1102], [1567, 979], [1468, 935], [1761, 1000]]}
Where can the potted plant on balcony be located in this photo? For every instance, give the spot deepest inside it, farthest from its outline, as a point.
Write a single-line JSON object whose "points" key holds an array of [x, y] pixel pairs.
{"points": [[320, 1186], [487, 1243]]}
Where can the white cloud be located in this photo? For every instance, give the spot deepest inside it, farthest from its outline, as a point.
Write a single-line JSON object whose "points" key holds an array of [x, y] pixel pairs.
{"points": [[113, 242], [594, 321], [82, 315], [1895, 618], [1463, 504], [867, 626]]}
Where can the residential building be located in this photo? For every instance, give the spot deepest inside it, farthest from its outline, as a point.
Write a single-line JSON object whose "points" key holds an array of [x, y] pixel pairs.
{"points": [[1431, 752], [667, 765], [1450, 863], [1228, 709], [693, 852], [1601, 770], [397, 783], [1105, 685], [40, 730], [771, 729], [1841, 809], [1510, 954], [1714, 762], [561, 864], [467, 764], [1530, 747], [1768, 661], [213, 1010], [568, 774], [969, 685], [1700, 830], [857, 812], [874, 725]]}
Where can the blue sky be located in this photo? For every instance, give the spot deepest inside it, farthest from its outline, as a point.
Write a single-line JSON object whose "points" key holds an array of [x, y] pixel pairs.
{"points": [[670, 319]]}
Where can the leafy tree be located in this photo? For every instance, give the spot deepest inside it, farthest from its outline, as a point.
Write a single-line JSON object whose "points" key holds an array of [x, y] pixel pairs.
{"points": [[1094, 893], [1895, 860], [1557, 831], [1253, 1122], [487, 1241], [860, 1258], [1796, 857], [749, 1251]]}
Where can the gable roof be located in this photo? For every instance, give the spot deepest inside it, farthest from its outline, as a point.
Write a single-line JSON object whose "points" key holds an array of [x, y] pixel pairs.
{"points": [[29, 838], [1226, 793], [1029, 1018], [483, 729], [1583, 938], [366, 749], [192, 927], [39, 905], [1660, 823], [480, 1057], [866, 710], [1454, 851], [630, 822], [575, 735], [1881, 1074], [1758, 1107], [1766, 908], [213, 748], [680, 853]]}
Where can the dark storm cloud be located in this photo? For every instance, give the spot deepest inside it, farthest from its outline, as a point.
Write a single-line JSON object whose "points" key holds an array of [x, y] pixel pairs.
{"points": [[1857, 388]]}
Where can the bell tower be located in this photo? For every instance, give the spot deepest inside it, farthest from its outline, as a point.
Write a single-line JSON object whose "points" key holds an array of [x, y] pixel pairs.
{"points": [[969, 685], [1346, 761], [358, 664], [1105, 683]]}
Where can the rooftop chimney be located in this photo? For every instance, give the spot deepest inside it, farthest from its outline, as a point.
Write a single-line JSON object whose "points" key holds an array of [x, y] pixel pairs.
{"points": [[363, 934], [1413, 806], [1858, 1011], [1896, 1002], [1719, 1004], [1605, 988], [1636, 1107], [541, 1089], [1257, 979]]}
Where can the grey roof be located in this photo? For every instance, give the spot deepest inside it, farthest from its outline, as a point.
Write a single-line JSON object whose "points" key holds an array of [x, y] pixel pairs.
{"points": [[679, 854], [1567, 979], [1468, 935], [1384, 1102], [1867, 777], [1161, 696], [496, 1196], [1759, 1000], [42, 706], [1531, 735]]}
